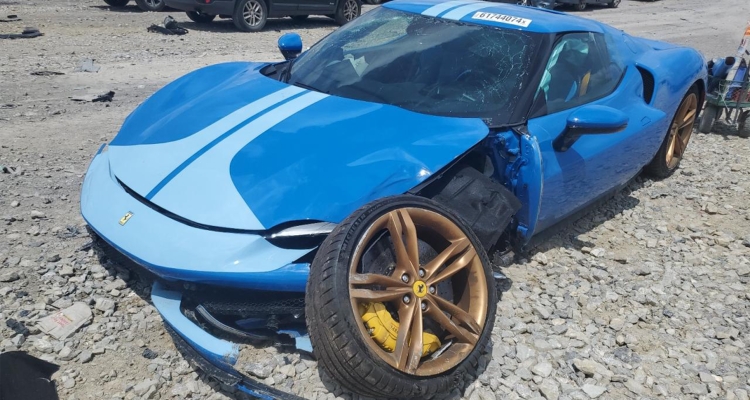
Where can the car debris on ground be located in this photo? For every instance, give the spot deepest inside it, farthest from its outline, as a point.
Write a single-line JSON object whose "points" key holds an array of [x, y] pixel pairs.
{"points": [[95, 98], [86, 65], [27, 33], [10, 18], [169, 27], [47, 73], [64, 323]]}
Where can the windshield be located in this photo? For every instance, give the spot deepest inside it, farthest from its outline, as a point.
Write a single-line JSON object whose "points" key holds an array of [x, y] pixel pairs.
{"points": [[423, 64]]}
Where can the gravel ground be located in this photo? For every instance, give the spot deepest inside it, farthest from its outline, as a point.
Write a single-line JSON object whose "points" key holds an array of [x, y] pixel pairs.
{"points": [[645, 297]]}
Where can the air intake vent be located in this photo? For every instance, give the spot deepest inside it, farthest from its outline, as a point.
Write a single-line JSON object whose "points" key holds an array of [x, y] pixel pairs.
{"points": [[648, 85]]}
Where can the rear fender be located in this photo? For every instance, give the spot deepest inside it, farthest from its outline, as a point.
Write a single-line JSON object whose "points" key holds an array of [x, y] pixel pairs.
{"points": [[670, 87]]}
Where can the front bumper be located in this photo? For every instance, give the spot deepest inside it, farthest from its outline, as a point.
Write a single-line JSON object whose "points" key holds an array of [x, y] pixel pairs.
{"points": [[178, 252], [215, 7], [216, 357]]}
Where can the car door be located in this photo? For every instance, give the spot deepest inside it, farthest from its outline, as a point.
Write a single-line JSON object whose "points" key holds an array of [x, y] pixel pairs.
{"points": [[584, 69], [279, 8], [317, 6]]}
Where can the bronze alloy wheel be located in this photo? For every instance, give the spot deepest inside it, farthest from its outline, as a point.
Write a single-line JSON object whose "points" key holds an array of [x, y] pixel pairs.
{"points": [[681, 130], [445, 293], [400, 300]]}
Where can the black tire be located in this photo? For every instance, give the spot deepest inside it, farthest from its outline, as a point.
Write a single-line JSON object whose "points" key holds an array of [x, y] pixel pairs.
{"points": [[338, 342], [579, 6], [151, 5], [614, 4], [710, 114], [347, 10], [199, 17], [117, 3], [299, 18], [743, 130], [256, 19], [658, 167]]}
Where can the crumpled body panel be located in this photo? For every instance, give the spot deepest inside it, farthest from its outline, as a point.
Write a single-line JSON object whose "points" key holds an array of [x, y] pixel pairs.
{"points": [[227, 147]]}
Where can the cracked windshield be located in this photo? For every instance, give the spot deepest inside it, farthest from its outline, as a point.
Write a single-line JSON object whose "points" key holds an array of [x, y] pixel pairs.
{"points": [[422, 64]]}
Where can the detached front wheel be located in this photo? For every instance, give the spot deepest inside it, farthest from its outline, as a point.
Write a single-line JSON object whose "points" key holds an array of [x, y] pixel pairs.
{"points": [[400, 301]]}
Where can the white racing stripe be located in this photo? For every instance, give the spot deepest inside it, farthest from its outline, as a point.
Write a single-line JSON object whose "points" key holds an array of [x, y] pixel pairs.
{"points": [[435, 10], [461, 12], [204, 192], [143, 166]]}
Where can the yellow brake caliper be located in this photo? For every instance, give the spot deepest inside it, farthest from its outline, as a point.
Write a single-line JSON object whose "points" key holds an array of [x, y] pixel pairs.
{"points": [[384, 329]]}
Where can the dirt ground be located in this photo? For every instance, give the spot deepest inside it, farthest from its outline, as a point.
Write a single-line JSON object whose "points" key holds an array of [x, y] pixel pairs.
{"points": [[700, 214]]}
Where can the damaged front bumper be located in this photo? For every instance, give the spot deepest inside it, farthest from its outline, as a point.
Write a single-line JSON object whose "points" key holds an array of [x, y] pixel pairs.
{"points": [[218, 292], [214, 356]]}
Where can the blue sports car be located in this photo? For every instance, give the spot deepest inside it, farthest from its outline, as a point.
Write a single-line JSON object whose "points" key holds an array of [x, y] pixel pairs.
{"points": [[344, 201]]}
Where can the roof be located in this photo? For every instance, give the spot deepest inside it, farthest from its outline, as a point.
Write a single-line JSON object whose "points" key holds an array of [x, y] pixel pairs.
{"points": [[502, 15]]}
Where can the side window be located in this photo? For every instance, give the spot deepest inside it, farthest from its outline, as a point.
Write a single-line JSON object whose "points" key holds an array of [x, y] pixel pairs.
{"points": [[580, 69]]}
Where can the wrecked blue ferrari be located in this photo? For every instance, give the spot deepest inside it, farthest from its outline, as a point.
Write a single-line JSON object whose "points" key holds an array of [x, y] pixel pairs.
{"points": [[344, 201]]}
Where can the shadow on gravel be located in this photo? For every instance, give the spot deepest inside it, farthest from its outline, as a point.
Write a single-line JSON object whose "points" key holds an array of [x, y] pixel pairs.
{"points": [[566, 233], [128, 9], [276, 24]]}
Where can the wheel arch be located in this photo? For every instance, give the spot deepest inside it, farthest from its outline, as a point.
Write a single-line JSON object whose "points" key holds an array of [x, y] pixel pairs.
{"points": [[467, 188]]}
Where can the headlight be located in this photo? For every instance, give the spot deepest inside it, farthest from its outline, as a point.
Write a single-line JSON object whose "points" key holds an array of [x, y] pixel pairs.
{"points": [[314, 229], [306, 236]]}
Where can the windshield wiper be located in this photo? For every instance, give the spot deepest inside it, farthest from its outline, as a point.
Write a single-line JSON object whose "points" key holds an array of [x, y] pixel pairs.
{"points": [[286, 74]]}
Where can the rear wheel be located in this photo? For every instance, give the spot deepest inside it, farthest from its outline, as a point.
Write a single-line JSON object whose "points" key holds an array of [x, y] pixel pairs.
{"points": [[400, 301], [250, 15], [614, 4], [580, 6], [200, 17], [710, 113], [151, 5], [673, 148], [347, 10], [117, 3]]}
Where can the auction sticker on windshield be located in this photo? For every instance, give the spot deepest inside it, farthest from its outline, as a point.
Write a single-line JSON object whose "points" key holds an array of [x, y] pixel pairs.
{"points": [[506, 19]]}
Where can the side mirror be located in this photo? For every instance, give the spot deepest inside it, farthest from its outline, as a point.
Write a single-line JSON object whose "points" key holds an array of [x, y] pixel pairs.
{"points": [[590, 120], [290, 45]]}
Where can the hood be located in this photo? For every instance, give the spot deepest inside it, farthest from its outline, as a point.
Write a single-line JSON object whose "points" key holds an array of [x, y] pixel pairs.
{"points": [[225, 146]]}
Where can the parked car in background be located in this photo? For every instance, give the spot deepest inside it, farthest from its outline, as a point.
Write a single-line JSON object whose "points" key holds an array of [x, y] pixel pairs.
{"points": [[251, 15], [579, 5], [145, 5]]}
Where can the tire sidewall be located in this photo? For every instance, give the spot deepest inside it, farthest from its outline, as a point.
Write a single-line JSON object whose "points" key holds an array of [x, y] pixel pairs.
{"points": [[200, 18], [353, 228], [117, 3], [710, 113], [239, 20], [143, 5]]}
